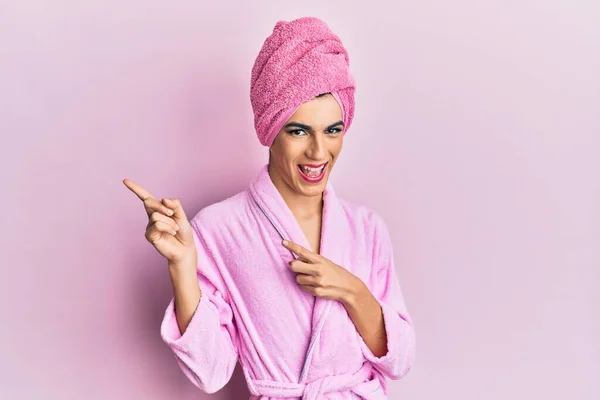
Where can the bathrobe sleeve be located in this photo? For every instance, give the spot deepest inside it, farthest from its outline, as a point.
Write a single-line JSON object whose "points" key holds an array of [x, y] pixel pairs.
{"points": [[207, 352], [385, 287]]}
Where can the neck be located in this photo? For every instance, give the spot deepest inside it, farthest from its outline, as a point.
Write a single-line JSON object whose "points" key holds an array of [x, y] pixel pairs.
{"points": [[303, 207]]}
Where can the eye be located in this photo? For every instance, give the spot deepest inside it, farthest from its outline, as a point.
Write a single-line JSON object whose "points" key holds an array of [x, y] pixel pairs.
{"points": [[296, 132], [334, 131]]}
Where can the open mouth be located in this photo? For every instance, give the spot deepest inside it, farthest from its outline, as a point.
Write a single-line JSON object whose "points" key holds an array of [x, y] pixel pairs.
{"points": [[312, 172]]}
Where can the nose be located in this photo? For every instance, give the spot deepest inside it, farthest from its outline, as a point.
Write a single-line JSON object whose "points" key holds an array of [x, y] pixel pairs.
{"points": [[317, 149]]}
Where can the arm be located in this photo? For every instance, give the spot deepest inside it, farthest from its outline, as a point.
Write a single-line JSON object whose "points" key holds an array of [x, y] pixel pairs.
{"points": [[186, 293], [386, 332], [198, 324], [367, 315]]}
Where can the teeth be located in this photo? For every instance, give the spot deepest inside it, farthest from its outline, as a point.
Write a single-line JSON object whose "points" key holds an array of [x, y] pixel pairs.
{"points": [[312, 171]]}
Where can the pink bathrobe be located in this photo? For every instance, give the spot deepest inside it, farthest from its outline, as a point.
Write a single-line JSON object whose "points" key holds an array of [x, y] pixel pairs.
{"points": [[289, 343]]}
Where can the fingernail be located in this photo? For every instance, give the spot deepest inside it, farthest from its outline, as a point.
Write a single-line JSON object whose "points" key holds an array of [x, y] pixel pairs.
{"points": [[176, 227], [170, 212], [285, 242]]}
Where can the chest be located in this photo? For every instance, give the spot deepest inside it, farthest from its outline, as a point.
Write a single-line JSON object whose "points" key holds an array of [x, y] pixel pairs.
{"points": [[312, 230]]}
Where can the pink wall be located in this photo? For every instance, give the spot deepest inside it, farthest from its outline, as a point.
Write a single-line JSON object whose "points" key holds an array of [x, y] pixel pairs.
{"points": [[476, 137]]}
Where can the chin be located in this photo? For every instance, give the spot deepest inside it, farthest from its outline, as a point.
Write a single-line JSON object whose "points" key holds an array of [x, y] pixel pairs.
{"points": [[313, 190]]}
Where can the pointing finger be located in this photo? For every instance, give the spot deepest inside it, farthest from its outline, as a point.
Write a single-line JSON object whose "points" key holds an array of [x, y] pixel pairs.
{"points": [[302, 252], [139, 191]]}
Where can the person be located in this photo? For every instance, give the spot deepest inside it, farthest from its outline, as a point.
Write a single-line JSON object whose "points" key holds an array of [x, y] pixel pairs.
{"points": [[294, 283]]}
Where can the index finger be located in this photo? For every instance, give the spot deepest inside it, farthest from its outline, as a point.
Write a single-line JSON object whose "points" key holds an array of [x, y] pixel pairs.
{"points": [[300, 251], [139, 191]]}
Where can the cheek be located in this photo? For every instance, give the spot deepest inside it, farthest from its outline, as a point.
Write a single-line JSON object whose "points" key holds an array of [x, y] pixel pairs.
{"points": [[282, 151], [336, 147], [292, 152], [287, 155]]}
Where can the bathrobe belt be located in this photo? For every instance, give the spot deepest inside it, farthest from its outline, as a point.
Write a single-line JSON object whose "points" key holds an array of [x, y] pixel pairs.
{"points": [[316, 388]]}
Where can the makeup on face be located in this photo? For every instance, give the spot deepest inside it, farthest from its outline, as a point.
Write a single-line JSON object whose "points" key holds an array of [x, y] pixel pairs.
{"points": [[312, 173]]}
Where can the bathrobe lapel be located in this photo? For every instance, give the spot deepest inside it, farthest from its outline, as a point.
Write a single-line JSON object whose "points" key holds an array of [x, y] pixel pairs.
{"points": [[334, 228]]}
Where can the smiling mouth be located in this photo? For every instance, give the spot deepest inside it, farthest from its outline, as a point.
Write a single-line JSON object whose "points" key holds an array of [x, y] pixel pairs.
{"points": [[311, 170]]}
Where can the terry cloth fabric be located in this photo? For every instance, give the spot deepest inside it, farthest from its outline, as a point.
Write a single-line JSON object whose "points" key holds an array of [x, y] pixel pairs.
{"points": [[289, 343], [298, 61]]}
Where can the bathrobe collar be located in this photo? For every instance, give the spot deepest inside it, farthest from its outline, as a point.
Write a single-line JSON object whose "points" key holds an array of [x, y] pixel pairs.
{"points": [[334, 227]]}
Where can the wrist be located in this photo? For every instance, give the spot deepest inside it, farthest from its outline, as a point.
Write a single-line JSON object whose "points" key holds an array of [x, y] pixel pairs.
{"points": [[184, 278], [182, 271], [356, 294], [187, 263]]}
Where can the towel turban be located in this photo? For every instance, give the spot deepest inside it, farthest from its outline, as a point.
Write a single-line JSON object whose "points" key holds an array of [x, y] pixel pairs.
{"points": [[298, 61]]}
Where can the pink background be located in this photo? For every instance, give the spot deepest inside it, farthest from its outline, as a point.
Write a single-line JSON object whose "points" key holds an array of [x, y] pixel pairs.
{"points": [[476, 137]]}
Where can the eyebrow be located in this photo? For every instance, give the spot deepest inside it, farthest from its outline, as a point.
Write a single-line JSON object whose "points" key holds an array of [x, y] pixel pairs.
{"points": [[309, 128]]}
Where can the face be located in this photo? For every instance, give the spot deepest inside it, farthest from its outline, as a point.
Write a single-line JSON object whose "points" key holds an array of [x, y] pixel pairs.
{"points": [[307, 147]]}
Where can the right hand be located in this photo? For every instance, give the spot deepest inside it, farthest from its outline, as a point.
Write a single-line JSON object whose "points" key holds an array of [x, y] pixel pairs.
{"points": [[168, 229]]}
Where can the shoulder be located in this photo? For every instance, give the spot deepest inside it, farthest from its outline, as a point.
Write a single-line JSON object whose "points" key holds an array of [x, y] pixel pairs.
{"points": [[363, 217], [221, 215]]}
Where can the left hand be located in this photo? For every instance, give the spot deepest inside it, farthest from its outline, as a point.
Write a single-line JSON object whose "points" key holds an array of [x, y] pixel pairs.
{"points": [[321, 277]]}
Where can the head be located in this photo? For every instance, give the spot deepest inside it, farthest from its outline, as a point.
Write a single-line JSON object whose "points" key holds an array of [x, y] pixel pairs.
{"points": [[301, 89], [313, 135]]}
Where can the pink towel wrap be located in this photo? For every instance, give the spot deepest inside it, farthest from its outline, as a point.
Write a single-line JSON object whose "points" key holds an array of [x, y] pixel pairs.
{"points": [[298, 61]]}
